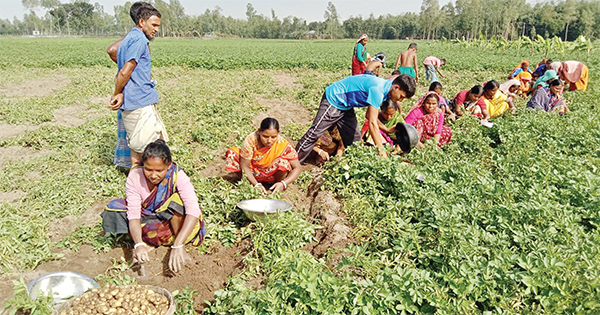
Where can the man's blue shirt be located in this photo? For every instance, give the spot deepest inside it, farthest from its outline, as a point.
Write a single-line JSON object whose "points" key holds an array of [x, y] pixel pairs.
{"points": [[139, 90], [358, 91]]}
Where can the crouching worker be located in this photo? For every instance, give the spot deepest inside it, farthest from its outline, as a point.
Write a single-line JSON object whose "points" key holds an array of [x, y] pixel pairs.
{"points": [[160, 208], [266, 158], [338, 103]]}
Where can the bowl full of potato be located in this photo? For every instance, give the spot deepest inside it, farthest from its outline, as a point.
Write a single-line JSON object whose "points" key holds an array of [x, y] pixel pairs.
{"points": [[120, 300]]}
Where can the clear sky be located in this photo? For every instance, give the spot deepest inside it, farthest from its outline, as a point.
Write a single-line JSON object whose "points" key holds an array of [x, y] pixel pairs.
{"points": [[310, 10]]}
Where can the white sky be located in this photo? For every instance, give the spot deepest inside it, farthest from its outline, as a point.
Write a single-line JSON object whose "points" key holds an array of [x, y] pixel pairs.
{"points": [[310, 10]]}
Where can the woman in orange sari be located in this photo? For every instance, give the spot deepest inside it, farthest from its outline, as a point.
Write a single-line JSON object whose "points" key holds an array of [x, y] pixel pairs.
{"points": [[266, 158]]}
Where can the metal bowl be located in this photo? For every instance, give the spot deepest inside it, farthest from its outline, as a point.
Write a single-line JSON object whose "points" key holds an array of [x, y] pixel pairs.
{"points": [[255, 209], [62, 284]]}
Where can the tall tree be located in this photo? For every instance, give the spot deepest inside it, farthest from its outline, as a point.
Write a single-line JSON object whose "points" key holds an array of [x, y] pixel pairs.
{"points": [[332, 19], [569, 13]]}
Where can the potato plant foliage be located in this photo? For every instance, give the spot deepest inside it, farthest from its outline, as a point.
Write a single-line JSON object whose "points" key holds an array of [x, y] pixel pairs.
{"points": [[505, 222]]}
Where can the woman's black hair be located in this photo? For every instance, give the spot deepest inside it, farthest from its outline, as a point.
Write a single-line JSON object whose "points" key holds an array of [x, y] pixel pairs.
{"points": [[157, 149], [435, 85], [387, 104], [554, 82], [430, 96], [490, 85], [477, 90], [269, 123]]}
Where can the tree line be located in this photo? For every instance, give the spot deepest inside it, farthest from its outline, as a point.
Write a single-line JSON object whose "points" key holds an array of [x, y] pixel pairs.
{"points": [[459, 19]]}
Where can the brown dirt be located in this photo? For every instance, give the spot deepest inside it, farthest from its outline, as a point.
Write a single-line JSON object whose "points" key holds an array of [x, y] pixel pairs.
{"points": [[74, 116], [17, 153], [205, 273], [12, 196], [40, 87], [104, 100], [327, 212], [284, 111], [285, 80], [7, 130], [60, 228]]}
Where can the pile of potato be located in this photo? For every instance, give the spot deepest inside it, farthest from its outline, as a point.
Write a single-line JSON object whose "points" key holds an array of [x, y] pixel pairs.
{"points": [[117, 300]]}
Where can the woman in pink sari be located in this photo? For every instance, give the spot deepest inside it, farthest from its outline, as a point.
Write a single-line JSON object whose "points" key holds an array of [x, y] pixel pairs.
{"points": [[428, 119], [576, 73]]}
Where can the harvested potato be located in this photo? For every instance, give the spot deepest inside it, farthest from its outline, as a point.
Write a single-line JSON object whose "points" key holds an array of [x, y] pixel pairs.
{"points": [[118, 300]]}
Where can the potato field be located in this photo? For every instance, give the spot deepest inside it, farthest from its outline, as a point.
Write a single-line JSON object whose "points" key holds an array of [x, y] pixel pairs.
{"points": [[506, 220]]}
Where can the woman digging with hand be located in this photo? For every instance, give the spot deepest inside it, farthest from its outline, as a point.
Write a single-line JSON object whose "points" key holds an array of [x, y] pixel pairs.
{"points": [[161, 208]]}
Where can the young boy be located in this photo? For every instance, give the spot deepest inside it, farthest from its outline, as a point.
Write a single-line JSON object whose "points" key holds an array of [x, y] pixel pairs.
{"points": [[407, 62], [134, 93], [340, 99], [375, 64], [433, 64]]}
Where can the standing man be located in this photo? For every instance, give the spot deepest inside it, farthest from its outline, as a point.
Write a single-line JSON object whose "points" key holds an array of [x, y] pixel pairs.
{"points": [[407, 62], [340, 99], [134, 91]]}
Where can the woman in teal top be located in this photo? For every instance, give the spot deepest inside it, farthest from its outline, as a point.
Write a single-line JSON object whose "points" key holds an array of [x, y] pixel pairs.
{"points": [[359, 58]]}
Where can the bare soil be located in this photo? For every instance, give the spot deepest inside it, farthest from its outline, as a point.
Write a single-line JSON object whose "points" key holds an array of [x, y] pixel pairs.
{"points": [[40, 87], [285, 80], [74, 116], [7, 130], [17, 153], [284, 111], [12, 196]]}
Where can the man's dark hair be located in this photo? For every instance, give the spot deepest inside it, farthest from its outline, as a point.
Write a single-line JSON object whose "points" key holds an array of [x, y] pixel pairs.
{"points": [[396, 72], [412, 45], [134, 11], [407, 84], [443, 60], [157, 149], [145, 12]]}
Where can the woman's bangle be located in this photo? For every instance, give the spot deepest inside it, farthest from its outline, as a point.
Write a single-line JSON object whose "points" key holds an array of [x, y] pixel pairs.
{"points": [[176, 247], [284, 184], [256, 184], [320, 151], [138, 245]]}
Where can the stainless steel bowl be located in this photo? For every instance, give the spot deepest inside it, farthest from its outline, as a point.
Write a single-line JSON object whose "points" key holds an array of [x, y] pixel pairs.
{"points": [[255, 209], [62, 284]]}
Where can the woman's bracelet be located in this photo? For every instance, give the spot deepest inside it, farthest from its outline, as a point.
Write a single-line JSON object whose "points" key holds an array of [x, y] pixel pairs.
{"points": [[138, 245], [320, 151], [256, 184], [176, 247], [284, 184]]}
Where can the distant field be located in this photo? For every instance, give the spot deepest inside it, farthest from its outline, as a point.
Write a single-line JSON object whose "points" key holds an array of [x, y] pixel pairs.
{"points": [[253, 54]]}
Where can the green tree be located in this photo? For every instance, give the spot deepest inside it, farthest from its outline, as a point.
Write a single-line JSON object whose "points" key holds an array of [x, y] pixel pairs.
{"points": [[569, 14], [332, 20]]}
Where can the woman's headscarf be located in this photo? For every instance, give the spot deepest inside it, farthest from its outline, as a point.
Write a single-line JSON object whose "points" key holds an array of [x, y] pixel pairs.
{"points": [[504, 87], [549, 75], [421, 101], [362, 36]]}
